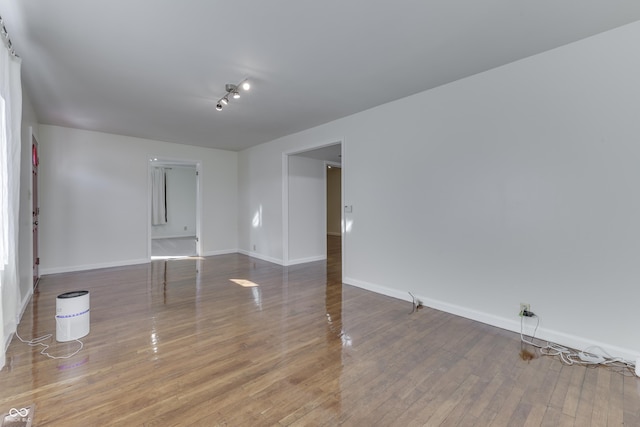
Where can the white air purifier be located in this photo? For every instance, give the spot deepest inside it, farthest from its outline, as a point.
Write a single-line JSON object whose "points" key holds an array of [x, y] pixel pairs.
{"points": [[72, 315]]}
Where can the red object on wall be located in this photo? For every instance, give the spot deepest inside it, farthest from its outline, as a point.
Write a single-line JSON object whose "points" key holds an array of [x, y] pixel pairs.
{"points": [[34, 155]]}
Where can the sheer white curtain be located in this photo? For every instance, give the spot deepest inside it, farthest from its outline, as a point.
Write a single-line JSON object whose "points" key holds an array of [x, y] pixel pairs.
{"points": [[158, 196], [11, 118]]}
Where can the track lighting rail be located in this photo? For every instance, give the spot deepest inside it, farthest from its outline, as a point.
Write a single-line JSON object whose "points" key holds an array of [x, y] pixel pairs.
{"points": [[232, 91]]}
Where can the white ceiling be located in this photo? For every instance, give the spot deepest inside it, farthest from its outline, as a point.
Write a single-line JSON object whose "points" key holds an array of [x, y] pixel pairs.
{"points": [[156, 68]]}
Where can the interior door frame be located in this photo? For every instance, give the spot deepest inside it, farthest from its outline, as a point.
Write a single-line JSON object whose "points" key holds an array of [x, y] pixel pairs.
{"points": [[328, 164], [164, 161], [35, 210], [285, 195]]}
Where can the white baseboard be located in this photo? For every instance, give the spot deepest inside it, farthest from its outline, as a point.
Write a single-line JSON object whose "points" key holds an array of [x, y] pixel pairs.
{"points": [[69, 269], [9, 336], [260, 256], [177, 236], [7, 341], [305, 260], [220, 252], [567, 340], [23, 305], [394, 293]]}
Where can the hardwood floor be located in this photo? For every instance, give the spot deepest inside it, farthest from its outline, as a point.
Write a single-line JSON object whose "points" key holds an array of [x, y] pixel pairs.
{"points": [[193, 343]]}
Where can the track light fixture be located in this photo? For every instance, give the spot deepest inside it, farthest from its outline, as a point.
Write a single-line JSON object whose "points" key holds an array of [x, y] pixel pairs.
{"points": [[234, 91]]}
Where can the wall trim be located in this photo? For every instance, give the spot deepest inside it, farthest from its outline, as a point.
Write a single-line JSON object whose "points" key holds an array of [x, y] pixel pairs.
{"points": [[7, 342], [176, 236], [23, 305], [394, 293], [220, 252], [70, 269], [308, 259], [558, 337], [260, 256]]}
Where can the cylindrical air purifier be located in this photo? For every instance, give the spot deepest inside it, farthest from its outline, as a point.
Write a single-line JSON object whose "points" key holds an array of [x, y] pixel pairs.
{"points": [[72, 315]]}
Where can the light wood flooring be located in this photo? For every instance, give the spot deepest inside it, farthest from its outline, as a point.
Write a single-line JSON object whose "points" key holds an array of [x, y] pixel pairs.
{"points": [[235, 341]]}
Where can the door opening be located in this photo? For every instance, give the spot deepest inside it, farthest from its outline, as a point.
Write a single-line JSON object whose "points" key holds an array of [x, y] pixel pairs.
{"points": [[334, 208], [305, 236], [174, 220]]}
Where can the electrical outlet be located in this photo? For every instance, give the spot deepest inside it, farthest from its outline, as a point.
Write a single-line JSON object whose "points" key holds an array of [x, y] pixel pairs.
{"points": [[524, 307]]}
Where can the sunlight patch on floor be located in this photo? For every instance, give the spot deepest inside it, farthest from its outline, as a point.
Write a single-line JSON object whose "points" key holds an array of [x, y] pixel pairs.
{"points": [[244, 283]]}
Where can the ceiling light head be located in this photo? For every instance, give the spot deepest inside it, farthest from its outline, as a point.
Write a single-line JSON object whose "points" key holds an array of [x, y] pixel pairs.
{"points": [[233, 91]]}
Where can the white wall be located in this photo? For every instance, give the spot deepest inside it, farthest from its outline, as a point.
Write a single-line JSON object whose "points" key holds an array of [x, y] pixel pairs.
{"points": [[95, 203], [181, 203], [307, 210], [260, 203], [519, 184]]}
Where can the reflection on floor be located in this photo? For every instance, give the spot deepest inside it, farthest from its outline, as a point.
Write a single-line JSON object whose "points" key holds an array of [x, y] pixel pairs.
{"points": [[239, 341], [173, 247]]}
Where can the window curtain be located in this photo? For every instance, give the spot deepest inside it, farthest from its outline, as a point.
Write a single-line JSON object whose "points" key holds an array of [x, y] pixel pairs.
{"points": [[158, 196], [11, 118]]}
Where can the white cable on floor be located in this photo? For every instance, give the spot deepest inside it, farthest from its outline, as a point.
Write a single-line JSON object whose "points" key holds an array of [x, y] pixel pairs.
{"points": [[571, 357], [34, 342]]}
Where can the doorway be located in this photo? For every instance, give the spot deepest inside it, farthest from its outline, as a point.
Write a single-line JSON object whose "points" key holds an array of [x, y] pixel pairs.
{"points": [[305, 216], [174, 196], [334, 210], [334, 199]]}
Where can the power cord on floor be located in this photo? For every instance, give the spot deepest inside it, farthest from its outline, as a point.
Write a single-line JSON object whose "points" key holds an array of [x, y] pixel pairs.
{"points": [[571, 357], [34, 342]]}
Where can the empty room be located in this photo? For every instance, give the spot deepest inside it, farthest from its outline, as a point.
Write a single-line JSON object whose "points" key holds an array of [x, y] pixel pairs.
{"points": [[319, 213]]}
